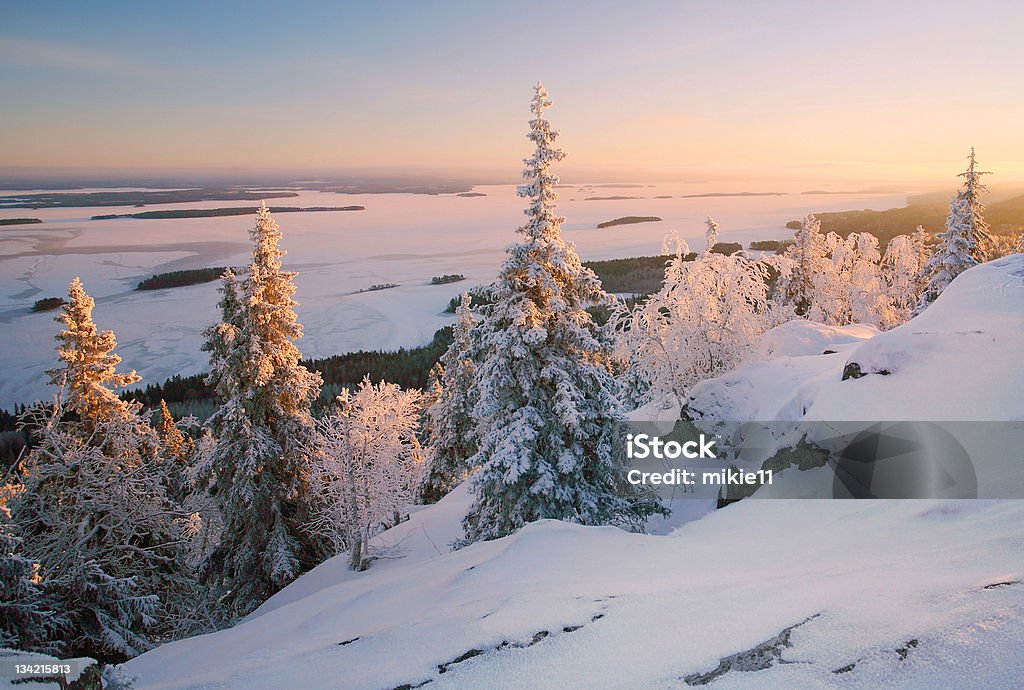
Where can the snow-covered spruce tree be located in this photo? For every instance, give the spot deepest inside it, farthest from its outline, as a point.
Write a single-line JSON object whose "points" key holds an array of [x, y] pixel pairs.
{"points": [[88, 374], [175, 451], [966, 241], [258, 464], [705, 320], [451, 429], [801, 265], [29, 619], [93, 509], [369, 466], [548, 404]]}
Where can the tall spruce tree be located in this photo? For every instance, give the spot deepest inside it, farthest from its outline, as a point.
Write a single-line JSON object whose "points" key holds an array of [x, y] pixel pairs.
{"points": [[92, 507], [548, 404], [89, 373], [966, 241], [257, 459], [451, 430], [29, 619]]}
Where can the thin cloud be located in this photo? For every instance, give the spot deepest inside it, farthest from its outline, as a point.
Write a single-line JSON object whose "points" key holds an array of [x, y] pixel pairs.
{"points": [[36, 53]]}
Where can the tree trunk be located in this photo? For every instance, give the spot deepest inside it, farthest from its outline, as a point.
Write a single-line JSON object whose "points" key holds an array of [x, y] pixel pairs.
{"points": [[356, 562]]}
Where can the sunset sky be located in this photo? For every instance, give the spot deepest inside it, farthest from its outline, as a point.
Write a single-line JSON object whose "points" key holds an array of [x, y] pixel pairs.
{"points": [[860, 91]]}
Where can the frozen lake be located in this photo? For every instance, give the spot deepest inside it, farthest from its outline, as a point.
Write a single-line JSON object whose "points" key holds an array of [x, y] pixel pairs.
{"points": [[399, 238]]}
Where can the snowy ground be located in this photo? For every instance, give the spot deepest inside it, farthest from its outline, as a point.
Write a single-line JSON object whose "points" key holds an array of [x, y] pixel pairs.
{"points": [[784, 593], [399, 238], [901, 594]]}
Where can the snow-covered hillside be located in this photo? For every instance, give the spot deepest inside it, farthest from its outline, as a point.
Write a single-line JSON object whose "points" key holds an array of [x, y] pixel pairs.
{"points": [[959, 360], [785, 593], [895, 594]]}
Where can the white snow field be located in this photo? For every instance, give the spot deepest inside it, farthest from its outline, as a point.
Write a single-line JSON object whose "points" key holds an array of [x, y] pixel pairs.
{"points": [[399, 238], [761, 594]]}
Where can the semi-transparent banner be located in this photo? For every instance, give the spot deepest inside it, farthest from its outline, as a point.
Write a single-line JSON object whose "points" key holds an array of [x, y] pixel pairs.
{"points": [[868, 459]]}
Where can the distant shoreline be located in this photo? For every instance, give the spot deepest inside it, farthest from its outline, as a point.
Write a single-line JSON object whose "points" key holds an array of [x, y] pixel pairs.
{"points": [[226, 211]]}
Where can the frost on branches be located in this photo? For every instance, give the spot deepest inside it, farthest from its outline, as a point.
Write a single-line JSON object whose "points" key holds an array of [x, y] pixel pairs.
{"points": [[89, 374], [548, 402], [966, 241], [705, 320], [368, 466], [92, 509], [801, 265], [837, 281], [904, 259], [29, 619], [257, 458], [451, 429]]}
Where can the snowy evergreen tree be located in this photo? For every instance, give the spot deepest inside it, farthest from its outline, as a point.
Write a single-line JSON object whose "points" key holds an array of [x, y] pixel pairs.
{"points": [[1019, 247], [451, 439], [29, 620], [175, 452], [801, 266], [369, 466], [92, 508], [966, 241], [258, 464], [548, 404], [88, 374]]}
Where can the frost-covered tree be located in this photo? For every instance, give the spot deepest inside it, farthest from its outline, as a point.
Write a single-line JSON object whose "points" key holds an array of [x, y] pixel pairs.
{"points": [[548, 403], [966, 241], [29, 619], [258, 463], [857, 263], [705, 321], [802, 265], [451, 429], [711, 234], [901, 267], [1019, 247], [88, 372], [104, 535], [175, 451], [92, 509], [368, 467]]}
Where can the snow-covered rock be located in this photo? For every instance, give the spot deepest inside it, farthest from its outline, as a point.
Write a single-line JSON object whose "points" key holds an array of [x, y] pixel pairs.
{"points": [[799, 337]]}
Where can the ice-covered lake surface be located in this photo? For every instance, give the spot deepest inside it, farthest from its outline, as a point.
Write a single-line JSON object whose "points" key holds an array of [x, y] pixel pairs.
{"points": [[398, 238]]}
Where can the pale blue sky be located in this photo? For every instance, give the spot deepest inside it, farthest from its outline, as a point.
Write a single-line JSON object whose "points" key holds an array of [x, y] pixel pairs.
{"points": [[641, 88]]}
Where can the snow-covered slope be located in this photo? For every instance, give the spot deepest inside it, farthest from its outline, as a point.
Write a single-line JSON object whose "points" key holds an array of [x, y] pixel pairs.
{"points": [[906, 594], [783, 593], [959, 360]]}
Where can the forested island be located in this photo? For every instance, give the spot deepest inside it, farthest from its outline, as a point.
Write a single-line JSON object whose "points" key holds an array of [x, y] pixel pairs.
{"points": [[227, 211], [628, 220]]}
